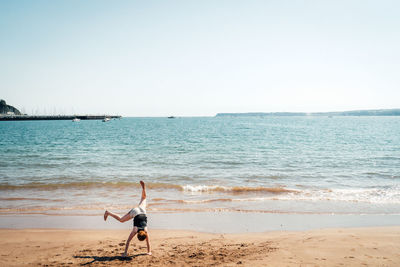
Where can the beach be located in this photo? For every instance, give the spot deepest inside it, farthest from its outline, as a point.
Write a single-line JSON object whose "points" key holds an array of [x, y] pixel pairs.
{"points": [[378, 246]]}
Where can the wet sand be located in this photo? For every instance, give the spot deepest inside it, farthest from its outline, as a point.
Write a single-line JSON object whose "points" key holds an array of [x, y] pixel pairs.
{"points": [[378, 246], [210, 222]]}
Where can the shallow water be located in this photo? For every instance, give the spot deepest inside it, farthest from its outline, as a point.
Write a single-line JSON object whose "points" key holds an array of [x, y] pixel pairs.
{"points": [[286, 165]]}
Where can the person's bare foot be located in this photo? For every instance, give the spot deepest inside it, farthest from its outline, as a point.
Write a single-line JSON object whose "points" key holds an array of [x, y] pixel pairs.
{"points": [[105, 215]]}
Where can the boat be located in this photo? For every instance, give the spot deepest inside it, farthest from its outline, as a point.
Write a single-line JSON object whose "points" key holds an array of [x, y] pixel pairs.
{"points": [[106, 119], [76, 119], [171, 117]]}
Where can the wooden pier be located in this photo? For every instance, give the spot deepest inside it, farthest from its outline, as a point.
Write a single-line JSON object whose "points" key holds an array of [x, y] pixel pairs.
{"points": [[55, 117]]}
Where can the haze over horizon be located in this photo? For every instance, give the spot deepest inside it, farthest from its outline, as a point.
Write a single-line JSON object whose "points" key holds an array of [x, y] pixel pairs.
{"points": [[187, 58]]}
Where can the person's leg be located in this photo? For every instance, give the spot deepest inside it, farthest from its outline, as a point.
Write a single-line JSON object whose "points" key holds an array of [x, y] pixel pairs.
{"points": [[142, 202], [125, 218]]}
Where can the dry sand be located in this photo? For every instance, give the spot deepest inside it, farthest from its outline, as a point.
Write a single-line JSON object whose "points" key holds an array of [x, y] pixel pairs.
{"points": [[332, 247]]}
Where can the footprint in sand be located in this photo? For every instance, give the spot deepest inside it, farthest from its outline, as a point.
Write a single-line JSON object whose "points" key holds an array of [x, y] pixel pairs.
{"points": [[121, 244]]}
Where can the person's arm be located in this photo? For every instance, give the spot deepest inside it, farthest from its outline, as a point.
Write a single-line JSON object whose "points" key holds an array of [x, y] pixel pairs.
{"points": [[148, 244], [133, 233]]}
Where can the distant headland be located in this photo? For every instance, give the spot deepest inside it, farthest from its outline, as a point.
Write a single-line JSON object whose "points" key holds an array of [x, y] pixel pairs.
{"points": [[372, 112], [10, 113], [7, 109]]}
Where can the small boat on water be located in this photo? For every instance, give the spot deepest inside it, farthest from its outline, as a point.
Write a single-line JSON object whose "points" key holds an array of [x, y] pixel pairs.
{"points": [[171, 117], [76, 119], [106, 119]]}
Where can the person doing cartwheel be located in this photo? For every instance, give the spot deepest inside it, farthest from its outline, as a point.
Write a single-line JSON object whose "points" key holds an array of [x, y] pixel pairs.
{"points": [[139, 221]]}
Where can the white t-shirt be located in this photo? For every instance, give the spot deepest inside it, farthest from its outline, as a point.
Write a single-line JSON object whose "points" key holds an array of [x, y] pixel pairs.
{"points": [[141, 209]]}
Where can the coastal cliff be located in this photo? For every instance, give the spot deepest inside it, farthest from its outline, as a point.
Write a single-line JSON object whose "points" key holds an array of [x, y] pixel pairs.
{"points": [[4, 108]]}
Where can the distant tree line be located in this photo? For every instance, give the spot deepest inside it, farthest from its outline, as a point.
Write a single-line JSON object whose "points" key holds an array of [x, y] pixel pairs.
{"points": [[374, 112]]}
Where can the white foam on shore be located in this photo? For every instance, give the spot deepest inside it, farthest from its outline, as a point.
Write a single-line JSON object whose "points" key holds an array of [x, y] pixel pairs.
{"points": [[370, 195], [388, 195], [201, 188]]}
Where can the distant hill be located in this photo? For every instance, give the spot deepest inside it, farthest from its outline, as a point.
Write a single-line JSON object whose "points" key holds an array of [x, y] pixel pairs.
{"points": [[372, 112], [4, 108]]}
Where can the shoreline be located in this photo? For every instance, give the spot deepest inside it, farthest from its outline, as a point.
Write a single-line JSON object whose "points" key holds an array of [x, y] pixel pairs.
{"points": [[374, 246], [207, 222]]}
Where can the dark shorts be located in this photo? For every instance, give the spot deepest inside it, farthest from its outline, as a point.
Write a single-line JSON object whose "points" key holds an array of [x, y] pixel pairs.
{"points": [[140, 221]]}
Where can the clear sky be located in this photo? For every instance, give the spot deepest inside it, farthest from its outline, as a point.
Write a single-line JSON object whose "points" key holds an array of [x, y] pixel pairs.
{"points": [[198, 58]]}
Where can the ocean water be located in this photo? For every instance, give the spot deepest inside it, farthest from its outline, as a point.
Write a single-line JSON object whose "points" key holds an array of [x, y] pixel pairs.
{"points": [[288, 165]]}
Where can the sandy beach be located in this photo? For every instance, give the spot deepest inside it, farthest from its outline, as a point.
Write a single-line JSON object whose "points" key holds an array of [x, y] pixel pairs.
{"points": [[330, 247]]}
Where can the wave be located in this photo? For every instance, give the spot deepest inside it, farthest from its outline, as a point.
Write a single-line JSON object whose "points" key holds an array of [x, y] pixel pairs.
{"points": [[389, 195], [63, 208], [322, 212], [29, 199], [216, 193], [98, 211], [161, 201], [237, 189], [85, 185], [156, 186]]}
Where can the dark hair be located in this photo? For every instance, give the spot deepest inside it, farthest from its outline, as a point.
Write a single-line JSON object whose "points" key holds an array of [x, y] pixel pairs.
{"points": [[141, 235]]}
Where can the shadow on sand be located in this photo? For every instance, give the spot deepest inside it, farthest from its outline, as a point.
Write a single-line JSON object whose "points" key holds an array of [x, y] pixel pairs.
{"points": [[107, 259]]}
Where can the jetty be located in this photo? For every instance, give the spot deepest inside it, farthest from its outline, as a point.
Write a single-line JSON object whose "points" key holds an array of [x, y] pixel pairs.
{"points": [[56, 117]]}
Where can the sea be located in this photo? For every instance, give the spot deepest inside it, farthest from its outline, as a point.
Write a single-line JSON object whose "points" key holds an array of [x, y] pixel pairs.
{"points": [[257, 164]]}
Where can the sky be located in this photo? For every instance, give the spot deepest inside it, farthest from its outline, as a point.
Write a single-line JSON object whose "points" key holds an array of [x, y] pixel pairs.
{"points": [[199, 58]]}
